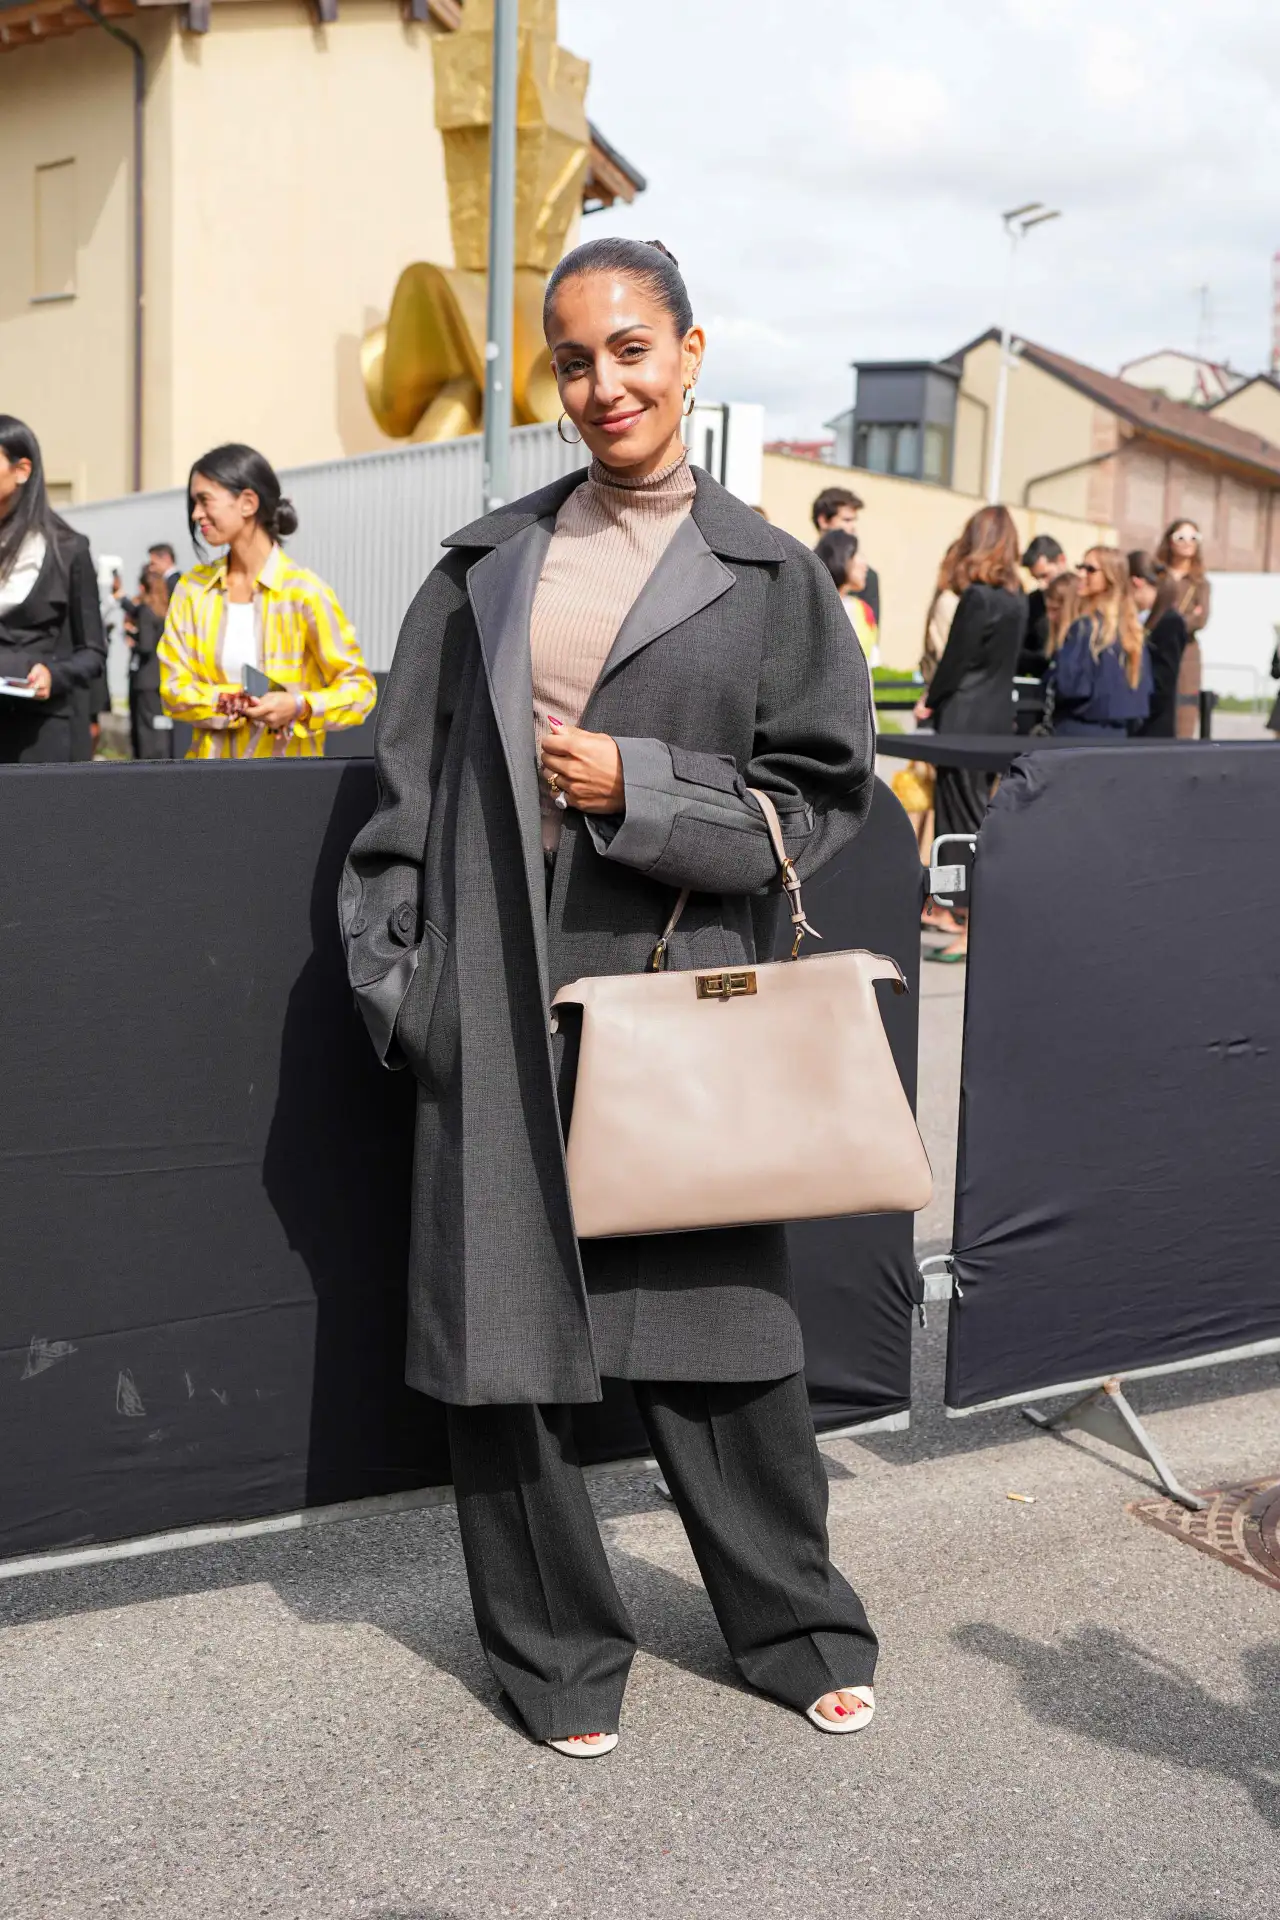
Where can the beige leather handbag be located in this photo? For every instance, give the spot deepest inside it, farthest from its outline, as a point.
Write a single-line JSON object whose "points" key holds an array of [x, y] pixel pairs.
{"points": [[744, 1094]]}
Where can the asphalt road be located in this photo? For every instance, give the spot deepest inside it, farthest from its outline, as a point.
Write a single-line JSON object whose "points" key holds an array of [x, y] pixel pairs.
{"points": [[1077, 1714]]}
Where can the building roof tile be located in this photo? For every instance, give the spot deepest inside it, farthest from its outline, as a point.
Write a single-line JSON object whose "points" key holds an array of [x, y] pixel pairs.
{"points": [[1148, 412]]}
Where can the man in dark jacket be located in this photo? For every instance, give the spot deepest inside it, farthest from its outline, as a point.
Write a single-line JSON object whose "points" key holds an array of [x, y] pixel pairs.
{"points": [[836, 510], [1044, 560]]}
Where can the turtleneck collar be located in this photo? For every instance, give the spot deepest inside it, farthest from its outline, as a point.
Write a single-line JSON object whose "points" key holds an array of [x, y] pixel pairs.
{"points": [[674, 480]]}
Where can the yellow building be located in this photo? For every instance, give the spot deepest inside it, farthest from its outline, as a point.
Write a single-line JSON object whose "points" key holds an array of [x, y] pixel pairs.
{"points": [[291, 168]]}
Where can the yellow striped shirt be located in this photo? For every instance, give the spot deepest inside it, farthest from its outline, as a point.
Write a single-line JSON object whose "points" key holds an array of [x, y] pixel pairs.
{"points": [[305, 643]]}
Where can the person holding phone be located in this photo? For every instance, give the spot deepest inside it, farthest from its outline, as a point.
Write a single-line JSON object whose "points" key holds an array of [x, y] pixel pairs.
{"points": [[52, 644], [257, 655]]}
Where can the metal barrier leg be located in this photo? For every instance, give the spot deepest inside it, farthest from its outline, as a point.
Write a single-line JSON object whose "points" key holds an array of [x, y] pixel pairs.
{"points": [[1107, 1415]]}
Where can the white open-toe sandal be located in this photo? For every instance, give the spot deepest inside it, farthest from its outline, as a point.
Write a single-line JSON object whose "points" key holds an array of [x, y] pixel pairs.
{"points": [[586, 1746], [853, 1722]]}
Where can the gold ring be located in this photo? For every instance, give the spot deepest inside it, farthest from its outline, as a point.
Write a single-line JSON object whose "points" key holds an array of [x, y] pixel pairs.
{"points": [[553, 782]]}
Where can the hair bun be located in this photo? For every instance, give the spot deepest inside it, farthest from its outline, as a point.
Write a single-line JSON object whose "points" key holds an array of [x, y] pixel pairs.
{"points": [[286, 519], [661, 249]]}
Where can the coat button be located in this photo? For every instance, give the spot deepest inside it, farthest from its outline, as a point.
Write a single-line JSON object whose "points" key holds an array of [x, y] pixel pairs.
{"points": [[402, 923], [358, 927]]}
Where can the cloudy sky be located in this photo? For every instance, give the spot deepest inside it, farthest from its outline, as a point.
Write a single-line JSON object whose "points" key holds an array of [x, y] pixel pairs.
{"points": [[831, 175]]}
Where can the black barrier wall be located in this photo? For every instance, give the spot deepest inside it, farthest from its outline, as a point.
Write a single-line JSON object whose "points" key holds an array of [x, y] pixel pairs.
{"points": [[1119, 1152], [204, 1172]]}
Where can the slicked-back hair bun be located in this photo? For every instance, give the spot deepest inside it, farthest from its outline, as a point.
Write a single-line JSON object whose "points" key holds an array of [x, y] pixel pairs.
{"points": [[647, 262], [243, 469]]}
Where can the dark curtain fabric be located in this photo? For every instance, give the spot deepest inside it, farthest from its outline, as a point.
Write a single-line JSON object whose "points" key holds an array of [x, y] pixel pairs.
{"points": [[991, 753], [30, 736], [204, 1173], [1033, 655], [1120, 1104]]}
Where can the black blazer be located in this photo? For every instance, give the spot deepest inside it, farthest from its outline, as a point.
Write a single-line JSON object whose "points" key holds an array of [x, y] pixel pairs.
{"points": [[871, 593], [144, 660], [1166, 641], [59, 624], [972, 689], [1033, 655]]}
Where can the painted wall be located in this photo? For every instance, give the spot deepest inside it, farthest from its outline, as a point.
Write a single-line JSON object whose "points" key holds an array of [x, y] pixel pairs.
{"points": [[66, 365], [1138, 490], [1241, 637], [1256, 408], [307, 173], [1239, 524], [1047, 426], [904, 529], [292, 171]]}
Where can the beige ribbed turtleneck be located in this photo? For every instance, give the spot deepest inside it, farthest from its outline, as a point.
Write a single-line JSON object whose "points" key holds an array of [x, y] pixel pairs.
{"points": [[609, 536]]}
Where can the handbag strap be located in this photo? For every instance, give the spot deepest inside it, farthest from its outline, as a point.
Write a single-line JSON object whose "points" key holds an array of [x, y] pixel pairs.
{"points": [[790, 883]]}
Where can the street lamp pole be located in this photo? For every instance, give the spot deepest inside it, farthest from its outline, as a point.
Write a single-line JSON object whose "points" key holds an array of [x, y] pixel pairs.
{"points": [[500, 323], [1018, 223]]}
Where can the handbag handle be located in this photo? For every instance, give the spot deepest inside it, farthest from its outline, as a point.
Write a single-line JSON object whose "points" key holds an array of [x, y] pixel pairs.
{"points": [[790, 883]]}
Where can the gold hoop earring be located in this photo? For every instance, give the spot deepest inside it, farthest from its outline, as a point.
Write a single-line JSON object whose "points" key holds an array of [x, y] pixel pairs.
{"points": [[577, 439], [689, 402]]}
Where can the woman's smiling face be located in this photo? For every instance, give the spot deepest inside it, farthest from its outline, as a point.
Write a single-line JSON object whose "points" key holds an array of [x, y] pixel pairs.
{"points": [[622, 369]]}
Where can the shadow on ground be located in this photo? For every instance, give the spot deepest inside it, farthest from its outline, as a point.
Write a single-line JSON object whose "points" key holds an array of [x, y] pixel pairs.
{"points": [[406, 1578], [1097, 1683]]}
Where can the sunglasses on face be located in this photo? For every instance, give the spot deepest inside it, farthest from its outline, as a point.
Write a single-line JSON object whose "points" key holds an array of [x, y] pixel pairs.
{"points": [[1084, 567]]}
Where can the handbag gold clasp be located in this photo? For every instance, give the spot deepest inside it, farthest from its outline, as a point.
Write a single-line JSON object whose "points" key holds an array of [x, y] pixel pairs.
{"points": [[726, 986]]}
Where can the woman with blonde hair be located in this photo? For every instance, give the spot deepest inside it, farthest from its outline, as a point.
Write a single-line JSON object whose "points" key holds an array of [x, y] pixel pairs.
{"points": [[1061, 605], [1101, 674], [1186, 590]]}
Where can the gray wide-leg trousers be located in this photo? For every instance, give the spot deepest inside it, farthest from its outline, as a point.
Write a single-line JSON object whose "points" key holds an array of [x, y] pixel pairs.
{"points": [[751, 1489]]}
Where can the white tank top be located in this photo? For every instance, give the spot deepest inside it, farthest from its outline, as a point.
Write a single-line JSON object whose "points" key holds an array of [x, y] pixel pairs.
{"points": [[239, 641]]}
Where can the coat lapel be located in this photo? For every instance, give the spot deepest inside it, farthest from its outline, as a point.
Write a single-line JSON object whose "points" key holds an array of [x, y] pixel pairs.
{"points": [[501, 589], [686, 579]]}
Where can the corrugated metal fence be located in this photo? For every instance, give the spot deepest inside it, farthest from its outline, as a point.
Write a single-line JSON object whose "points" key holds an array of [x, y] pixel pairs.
{"points": [[371, 526]]}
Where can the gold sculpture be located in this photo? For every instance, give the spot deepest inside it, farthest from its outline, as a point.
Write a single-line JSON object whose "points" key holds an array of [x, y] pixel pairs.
{"points": [[424, 370]]}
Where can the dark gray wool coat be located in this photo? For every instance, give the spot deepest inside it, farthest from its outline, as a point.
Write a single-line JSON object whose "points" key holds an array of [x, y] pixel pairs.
{"points": [[736, 666]]}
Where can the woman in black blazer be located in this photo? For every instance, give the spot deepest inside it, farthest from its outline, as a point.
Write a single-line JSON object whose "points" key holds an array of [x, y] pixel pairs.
{"points": [[51, 638], [1155, 593], [972, 688]]}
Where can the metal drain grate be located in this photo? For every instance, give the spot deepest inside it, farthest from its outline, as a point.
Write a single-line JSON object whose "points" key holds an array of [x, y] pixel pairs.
{"points": [[1240, 1525]]}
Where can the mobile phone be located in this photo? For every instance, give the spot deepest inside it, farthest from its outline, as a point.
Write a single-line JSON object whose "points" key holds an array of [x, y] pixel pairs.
{"points": [[16, 689], [254, 681]]}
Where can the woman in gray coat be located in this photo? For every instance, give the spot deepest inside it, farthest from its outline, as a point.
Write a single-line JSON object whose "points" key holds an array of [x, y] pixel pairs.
{"points": [[583, 690]]}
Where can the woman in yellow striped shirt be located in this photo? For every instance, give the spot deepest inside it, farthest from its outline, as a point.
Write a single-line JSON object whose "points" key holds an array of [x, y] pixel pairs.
{"points": [[255, 608]]}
